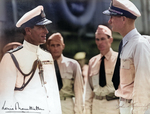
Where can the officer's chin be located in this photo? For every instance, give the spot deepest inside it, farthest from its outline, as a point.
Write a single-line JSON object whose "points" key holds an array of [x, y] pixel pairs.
{"points": [[42, 42]]}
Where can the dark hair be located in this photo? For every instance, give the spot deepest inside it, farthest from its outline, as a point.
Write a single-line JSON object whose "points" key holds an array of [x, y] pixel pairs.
{"points": [[23, 30]]}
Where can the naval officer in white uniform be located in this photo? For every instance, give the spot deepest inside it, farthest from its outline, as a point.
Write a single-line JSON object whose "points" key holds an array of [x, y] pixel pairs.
{"points": [[27, 77]]}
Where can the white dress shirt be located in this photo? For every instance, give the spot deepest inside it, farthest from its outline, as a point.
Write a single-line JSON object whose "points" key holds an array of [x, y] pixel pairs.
{"points": [[93, 88], [135, 71], [72, 82]]}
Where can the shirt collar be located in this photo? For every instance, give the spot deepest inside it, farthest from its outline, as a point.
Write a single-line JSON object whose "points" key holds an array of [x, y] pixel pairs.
{"points": [[129, 36], [30, 47], [108, 54], [60, 58]]}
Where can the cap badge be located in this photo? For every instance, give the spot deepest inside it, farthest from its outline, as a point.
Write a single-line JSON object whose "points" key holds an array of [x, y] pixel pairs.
{"points": [[42, 14]]}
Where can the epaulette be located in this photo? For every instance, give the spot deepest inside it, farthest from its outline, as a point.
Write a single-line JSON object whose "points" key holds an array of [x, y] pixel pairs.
{"points": [[16, 49]]}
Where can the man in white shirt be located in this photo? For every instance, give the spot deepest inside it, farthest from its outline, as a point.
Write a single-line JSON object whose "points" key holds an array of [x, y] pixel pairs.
{"points": [[27, 76], [69, 76], [132, 79], [99, 93]]}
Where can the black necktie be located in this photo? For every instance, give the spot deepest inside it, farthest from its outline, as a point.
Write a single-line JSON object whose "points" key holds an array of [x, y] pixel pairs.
{"points": [[102, 77], [116, 75], [59, 79]]}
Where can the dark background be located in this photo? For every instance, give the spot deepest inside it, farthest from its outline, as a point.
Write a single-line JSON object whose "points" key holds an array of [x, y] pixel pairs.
{"points": [[76, 20]]}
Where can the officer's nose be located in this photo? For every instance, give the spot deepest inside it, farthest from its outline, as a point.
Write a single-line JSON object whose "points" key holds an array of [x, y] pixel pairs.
{"points": [[46, 30]]}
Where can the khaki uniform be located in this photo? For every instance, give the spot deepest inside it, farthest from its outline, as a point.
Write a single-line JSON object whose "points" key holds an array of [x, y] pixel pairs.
{"points": [[34, 98], [72, 86], [135, 72], [95, 99]]}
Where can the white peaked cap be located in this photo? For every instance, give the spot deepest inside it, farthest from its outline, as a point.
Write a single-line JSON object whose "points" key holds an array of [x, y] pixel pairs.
{"points": [[34, 17]]}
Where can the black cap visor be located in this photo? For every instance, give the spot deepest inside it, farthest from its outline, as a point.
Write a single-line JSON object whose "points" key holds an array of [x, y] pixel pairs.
{"points": [[110, 13], [114, 11], [44, 21]]}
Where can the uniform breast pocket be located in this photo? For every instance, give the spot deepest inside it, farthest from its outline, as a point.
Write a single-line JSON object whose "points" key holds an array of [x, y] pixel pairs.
{"points": [[68, 75], [95, 79], [68, 79], [125, 63], [48, 68]]}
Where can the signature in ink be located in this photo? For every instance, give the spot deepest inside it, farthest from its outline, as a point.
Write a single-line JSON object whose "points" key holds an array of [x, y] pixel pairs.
{"points": [[17, 108]]}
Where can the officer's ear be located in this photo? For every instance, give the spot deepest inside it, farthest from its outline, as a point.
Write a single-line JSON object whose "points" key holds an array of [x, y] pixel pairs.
{"points": [[124, 19], [63, 46], [27, 30], [111, 40]]}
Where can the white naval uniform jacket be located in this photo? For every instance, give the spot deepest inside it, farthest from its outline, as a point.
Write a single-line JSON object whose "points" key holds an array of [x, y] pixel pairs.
{"points": [[135, 71], [34, 97], [92, 85], [72, 82]]}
